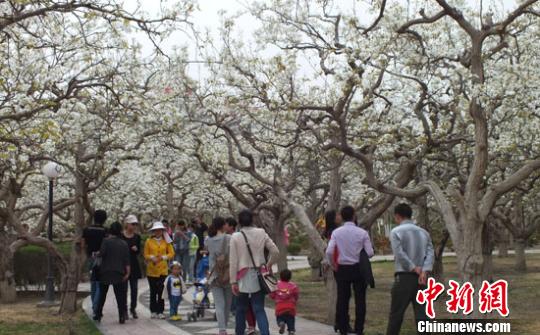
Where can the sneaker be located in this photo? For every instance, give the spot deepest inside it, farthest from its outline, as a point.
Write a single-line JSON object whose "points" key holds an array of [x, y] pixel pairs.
{"points": [[250, 331], [281, 327], [175, 318], [161, 316], [134, 314], [153, 316], [291, 333]]}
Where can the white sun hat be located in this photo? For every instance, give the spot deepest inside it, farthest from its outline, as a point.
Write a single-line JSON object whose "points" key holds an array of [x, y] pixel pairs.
{"points": [[157, 225], [131, 219]]}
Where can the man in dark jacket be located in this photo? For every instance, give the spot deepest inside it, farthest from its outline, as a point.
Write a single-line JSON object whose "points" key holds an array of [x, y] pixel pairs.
{"points": [[114, 270], [91, 240]]}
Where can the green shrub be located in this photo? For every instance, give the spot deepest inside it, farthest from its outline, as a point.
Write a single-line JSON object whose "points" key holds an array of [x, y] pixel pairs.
{"points": [[294, 248], [30, 264]]}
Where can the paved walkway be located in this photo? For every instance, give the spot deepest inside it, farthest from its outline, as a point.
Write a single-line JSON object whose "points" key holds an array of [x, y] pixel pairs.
{"points": [[145, 326]]}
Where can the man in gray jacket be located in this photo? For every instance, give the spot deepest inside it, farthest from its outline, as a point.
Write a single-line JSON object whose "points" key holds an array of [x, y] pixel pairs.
{"points": [[413, 256]]}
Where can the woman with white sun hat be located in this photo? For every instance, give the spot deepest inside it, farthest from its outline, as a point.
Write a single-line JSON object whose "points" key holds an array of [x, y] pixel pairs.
{"points": [[158, 251]]}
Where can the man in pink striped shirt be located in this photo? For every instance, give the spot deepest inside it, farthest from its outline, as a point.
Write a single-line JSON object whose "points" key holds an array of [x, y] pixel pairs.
{"points": [[343, 253]]}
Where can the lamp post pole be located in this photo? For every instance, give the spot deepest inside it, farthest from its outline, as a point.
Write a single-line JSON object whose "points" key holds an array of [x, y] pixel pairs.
{"points": [[51, 170], [49, 289]]}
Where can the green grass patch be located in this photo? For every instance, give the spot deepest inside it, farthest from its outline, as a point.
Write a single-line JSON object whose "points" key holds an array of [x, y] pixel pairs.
{"points": [[523, 295]]}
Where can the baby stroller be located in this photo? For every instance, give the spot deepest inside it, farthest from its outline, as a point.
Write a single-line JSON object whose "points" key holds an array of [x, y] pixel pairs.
{"points": [[202, 300], [202, 297]]}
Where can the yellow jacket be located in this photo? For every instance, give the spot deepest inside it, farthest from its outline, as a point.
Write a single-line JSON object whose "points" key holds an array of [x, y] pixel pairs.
{"points": [[157, 249]]}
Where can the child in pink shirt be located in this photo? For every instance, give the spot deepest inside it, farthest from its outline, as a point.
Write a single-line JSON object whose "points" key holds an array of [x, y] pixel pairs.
{"points": [[286, 297]]}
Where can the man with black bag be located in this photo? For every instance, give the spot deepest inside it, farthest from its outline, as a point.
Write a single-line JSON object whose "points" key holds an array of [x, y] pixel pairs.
{"points": [[347, 244]]}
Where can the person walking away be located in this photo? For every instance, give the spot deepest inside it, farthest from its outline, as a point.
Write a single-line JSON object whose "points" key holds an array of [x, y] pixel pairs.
{"points": [[247, 247], [175, 288], [200, 228], [115, 271], [168, 228], [332, 221], [202, 267], [286, 298], [230, 225], [181, 247], [92, 237], [413, 258], [219, 279], [157, 253], [343, 253], [133, 241], [230, 228], [193, 250]]}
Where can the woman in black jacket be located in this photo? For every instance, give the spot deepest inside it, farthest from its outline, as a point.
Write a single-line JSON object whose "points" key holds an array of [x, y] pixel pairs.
{"points": [[114, 270]]}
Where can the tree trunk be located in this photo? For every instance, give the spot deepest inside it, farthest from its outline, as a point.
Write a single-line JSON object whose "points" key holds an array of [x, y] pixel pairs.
{"points": [[503, 248], [280, 243], [469, 256], [315, 260], [8, 289], [72, 275], [520, 262], [438, 267], [334, 194], [331, 295], [68, 303], [170, 202], [487, 252]]}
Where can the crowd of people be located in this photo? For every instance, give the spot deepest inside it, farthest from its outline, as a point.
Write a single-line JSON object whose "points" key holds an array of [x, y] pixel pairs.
{"points": [[231, 260]]}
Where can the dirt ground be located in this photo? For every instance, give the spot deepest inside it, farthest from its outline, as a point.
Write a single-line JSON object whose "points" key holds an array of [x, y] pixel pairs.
{"points": [[24, 317]]}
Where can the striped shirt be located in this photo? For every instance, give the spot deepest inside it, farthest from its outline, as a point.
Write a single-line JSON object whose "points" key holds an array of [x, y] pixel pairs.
{"points": [[412, 247]]}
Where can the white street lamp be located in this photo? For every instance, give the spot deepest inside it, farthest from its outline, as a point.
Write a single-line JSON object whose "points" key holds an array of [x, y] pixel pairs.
{"points": [[51, 170]]}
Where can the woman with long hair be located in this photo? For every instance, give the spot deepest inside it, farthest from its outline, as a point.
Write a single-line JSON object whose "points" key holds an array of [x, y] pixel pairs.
{"points": [[218, 250]]}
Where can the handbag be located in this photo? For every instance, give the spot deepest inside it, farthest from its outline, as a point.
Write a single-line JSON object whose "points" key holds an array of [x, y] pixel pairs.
{"points": [[266, 280], [221, 268]]}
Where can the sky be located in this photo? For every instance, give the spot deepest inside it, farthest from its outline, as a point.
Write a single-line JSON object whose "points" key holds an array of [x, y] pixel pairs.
{"points": [[207, 17]]}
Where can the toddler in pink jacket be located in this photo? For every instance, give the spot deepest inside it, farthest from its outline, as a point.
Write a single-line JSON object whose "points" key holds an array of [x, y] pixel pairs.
{"points": [[286, 297]]}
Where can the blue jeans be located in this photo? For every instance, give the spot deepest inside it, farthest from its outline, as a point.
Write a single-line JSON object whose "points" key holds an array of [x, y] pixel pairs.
{"points": [[182, 257], [94, 295], [288, 320], [257, 303], [191, 268], [174, 302]]}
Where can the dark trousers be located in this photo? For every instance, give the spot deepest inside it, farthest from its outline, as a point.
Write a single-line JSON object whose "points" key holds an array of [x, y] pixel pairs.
{"points": [[287, 319], [347, 277], [133, 290], [404, 292], [157, 303], [120, 293]]}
